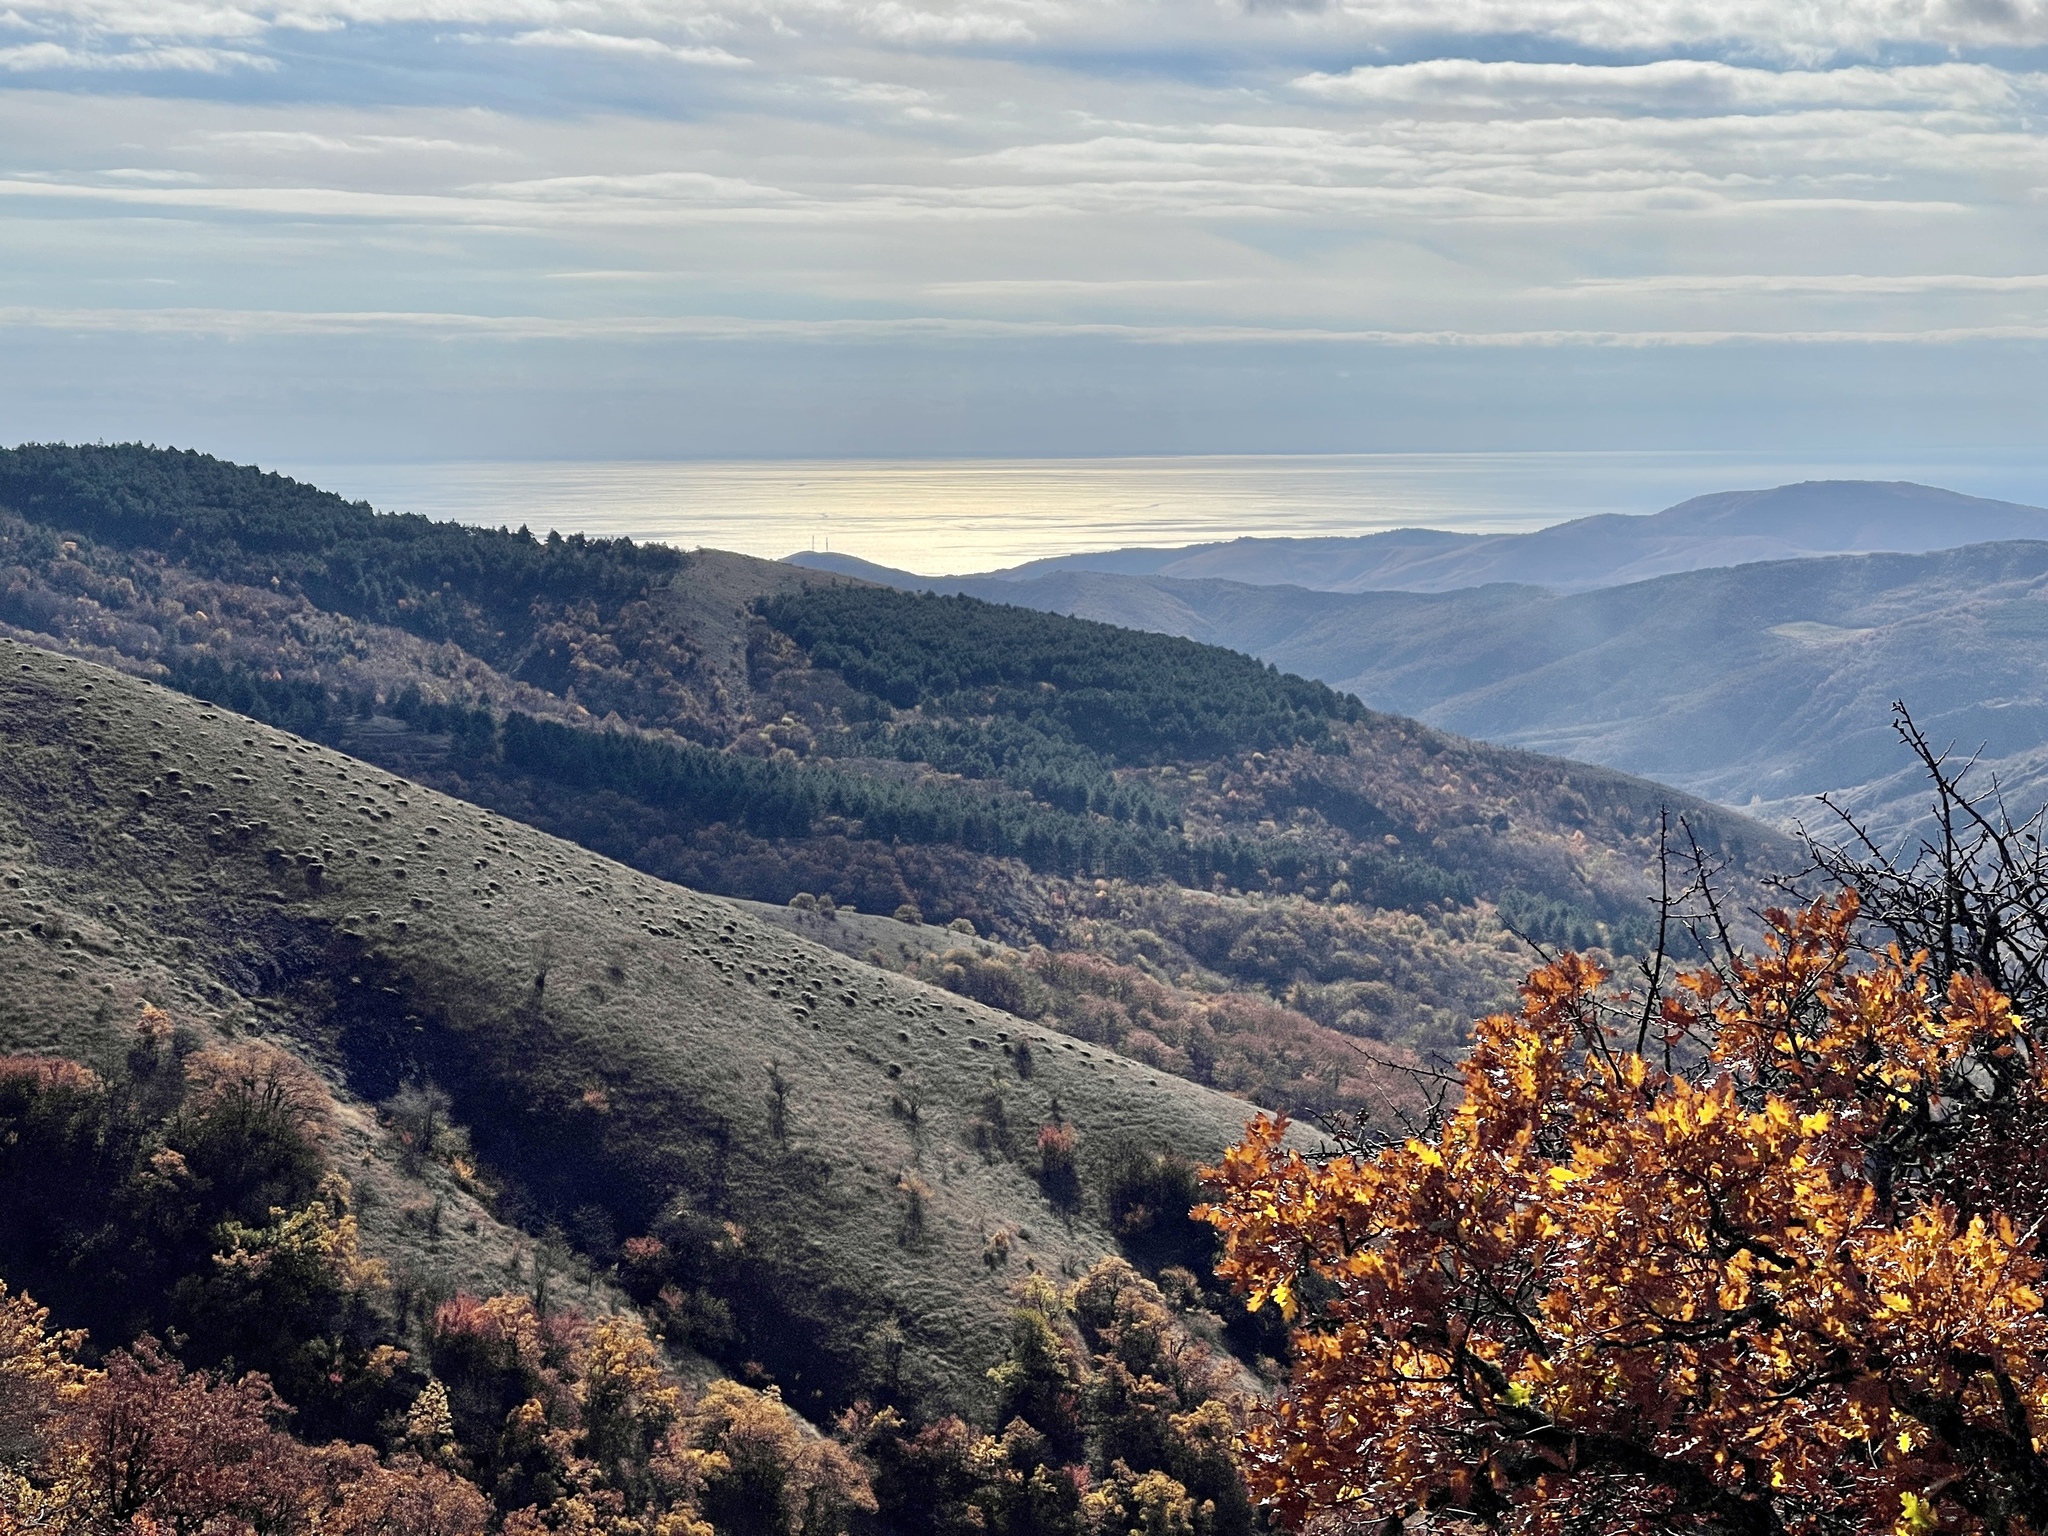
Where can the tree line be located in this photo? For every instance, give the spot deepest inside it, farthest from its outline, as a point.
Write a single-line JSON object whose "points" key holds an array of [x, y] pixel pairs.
{"points": [[678, 789], [693, 787], [1048, 767], [478, 587]]}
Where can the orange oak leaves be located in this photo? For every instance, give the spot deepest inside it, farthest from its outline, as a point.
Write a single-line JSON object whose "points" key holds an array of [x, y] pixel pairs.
{"points": [[1781, 1289]]}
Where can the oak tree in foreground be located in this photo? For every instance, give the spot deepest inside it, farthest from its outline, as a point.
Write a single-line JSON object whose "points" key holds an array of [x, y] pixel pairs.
{"points": [[1796, 1288]]}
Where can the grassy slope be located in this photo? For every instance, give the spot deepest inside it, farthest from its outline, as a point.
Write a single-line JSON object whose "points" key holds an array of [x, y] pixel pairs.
{"points": [[282, 888], [95, 923]]}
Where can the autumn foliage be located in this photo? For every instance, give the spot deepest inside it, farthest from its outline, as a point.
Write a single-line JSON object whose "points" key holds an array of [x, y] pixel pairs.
{"points": [[605, 1444], [1763, 1257], [1112, 1422], [241, 1370], [145, 1446], [574, 1425]]}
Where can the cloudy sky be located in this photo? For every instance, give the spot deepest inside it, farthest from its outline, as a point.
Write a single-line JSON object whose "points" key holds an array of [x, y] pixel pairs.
{"points": [[386, 229]]}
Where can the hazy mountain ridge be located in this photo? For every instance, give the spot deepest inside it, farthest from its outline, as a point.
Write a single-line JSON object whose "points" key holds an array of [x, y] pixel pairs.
{"points": [[1763, 686], [1760, 686], [1814, 518]]}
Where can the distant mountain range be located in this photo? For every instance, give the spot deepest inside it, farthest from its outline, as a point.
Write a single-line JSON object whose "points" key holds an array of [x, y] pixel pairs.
{"points": [[1819, 517], [1759, 684]]}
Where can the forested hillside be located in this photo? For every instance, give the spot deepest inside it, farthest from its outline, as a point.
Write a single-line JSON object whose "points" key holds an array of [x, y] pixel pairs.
{"points": [[1286, 864], [1761, 686], [488, 590]]}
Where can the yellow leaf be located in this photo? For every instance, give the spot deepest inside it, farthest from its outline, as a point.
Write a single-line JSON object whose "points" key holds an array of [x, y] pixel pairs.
{"points": [[1916, 1516], [1283, 1297]]}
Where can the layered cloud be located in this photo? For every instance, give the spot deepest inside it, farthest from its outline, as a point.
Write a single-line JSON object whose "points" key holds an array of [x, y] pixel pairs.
{"points": [[581, 38], [1802, 155], [43, 57], [1508, 174], [1669, 87], [1758, 29]]}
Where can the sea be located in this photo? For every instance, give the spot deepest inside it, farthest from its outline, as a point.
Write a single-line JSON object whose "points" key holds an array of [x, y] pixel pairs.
{"points": [[953, 516]]}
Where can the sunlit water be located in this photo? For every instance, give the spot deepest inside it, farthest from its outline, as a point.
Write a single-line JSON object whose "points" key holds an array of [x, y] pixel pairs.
{"points": [[943, 517]]}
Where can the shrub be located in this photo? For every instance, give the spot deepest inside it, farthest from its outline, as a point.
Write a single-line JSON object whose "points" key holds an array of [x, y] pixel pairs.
{"points": [[1148, 1196], [1059, 1175], [917, 1197], [145, 1444], [193, 1195], [990, 1132], [771, 1479], [1110, 1418]]}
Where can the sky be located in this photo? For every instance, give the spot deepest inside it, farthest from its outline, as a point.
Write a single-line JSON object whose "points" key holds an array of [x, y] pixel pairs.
{"points": [[378, 230]]}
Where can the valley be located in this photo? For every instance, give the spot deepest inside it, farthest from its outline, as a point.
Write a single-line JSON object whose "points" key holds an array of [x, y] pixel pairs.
{"points": [[1192, 820]]}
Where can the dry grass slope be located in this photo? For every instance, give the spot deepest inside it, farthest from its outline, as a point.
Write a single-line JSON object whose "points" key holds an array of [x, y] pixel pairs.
{"points": [[613, 1042]]}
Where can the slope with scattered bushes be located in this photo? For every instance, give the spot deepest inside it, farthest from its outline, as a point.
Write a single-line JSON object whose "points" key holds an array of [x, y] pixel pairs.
{"points": [[801, 1133]]}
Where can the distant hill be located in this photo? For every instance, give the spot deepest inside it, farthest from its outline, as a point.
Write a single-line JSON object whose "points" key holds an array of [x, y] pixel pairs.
{"points": [[1759, 686], [1729, 528]]}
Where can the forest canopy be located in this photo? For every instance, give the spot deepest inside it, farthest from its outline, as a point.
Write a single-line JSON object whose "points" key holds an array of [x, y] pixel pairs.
{"points": [[441, 581], [1132, 696]]}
